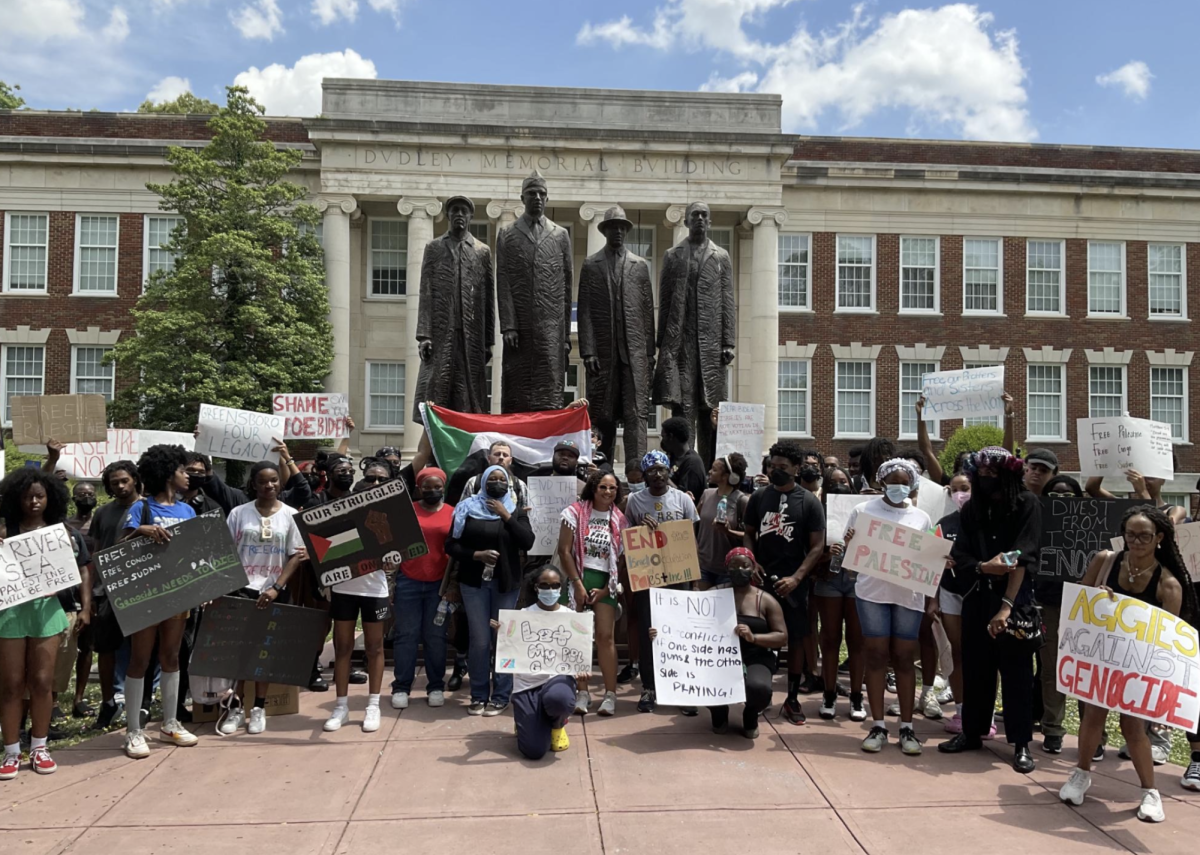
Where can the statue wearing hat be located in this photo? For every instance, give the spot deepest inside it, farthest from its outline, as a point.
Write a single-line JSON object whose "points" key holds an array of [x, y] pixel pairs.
{"points": [[455, 321], [616, 337], [534, 274]]}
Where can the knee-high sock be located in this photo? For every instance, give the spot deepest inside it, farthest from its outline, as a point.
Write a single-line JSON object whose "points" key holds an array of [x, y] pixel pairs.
{"points": [[134, 688], [170, 694]]}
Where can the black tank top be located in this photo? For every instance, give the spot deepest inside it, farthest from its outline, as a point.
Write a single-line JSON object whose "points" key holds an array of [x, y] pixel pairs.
{"points": [[756, 654], [1149, 596]]}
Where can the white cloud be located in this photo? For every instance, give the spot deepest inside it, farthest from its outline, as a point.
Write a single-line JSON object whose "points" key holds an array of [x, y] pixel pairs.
{"points": [[263, 20], [1133, 78], [117, 29], [296, 91], [392, 7], [41, 20], [328, 11], [717, 24], [168, 89]]}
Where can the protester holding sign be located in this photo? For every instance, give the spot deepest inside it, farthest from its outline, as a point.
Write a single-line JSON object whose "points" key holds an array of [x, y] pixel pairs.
{"points": [[1141, 487]]}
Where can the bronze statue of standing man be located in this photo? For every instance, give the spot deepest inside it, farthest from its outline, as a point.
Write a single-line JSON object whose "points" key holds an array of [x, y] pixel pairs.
{"points": [[697, 328], [616, 337], [534, 273]]}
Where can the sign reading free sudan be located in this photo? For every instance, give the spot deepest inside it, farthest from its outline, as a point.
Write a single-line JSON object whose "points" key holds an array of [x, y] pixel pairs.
{"points": [[358, 534], [148, 582]]}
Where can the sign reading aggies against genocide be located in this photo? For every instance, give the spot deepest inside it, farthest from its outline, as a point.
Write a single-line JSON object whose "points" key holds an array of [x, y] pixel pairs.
{"points": [[1074, 530], [358, 534], [148, 582], [740, 429], [35, 564], [898, 554], [662, 556], [697, 655], [549, 497], [837, 514], [37, 419], [542, 642], [238, 640], [1126, 655], [315, 416], [963, 393], [1110, 446], [238, 434]]}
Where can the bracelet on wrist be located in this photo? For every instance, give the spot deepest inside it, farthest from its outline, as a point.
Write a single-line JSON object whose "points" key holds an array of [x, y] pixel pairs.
{"points": [[1008, 602]]}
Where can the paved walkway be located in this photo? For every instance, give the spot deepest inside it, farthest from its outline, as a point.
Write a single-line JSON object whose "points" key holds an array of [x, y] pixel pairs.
{"points": [[441, 781]]}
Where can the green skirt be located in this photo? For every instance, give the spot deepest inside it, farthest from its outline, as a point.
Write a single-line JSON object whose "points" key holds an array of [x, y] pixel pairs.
{"points": [[40, 618]]}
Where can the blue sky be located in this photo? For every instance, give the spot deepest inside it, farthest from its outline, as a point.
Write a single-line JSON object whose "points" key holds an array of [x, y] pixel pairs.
{"points": [[1058, 71]]}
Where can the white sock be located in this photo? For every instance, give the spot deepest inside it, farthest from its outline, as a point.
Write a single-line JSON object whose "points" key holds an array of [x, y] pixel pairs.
{"points": [[880, 723], [958, 710], [170, 695], [372, 700], [907, 724], [15, 748], [36, 742], [134, 687], [343, 702]]}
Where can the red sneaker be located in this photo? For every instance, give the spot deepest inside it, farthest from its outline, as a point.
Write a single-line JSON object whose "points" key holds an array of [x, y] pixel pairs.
{"points": [[10, 767], [42, 762]]}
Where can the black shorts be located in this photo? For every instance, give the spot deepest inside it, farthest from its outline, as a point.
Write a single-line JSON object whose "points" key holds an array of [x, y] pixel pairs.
{"points": [[106, 632], [353, 606]]}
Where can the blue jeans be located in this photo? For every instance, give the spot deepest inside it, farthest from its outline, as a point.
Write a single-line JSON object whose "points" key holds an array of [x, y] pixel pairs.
{"points": [[416, 606], [482, 605], [887, 620]]}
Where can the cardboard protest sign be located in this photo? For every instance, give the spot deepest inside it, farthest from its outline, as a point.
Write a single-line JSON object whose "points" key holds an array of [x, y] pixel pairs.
{"points": [[898, 554], [549, 497], [35, 564], [315, 416], [1074, 530], [544, 642], [697, 655], [358, 534], [837, 514], [1110, 446], [740, 429], [659, 557], [933, 500], [240, 641], [37, 419], [148, 582], [963, 394], [239, 434], [280, 700], [1122, 654]]}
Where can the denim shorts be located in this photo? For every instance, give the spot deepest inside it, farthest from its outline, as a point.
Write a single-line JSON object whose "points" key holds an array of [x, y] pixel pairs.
{"points": [[839, 585], [951, 603], [886, 620]]}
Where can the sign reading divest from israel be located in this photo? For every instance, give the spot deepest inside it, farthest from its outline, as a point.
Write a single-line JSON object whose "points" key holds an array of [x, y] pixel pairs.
{"points": [[315, 416], [36, 564], [904, 556], [697, 655], [662, 556], [238, 640], [1122, 654], [964, 393], [537, 641], [239, 434]]}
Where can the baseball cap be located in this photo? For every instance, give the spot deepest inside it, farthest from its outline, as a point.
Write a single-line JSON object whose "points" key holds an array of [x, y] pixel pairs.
{"points": [[1044, 456]]}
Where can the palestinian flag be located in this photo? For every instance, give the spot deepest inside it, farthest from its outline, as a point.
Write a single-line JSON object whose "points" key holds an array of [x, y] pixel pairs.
{"points": [[340, 545], [532, 436]]}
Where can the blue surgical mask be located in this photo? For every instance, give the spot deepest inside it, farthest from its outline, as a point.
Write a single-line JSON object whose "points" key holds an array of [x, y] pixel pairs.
{"points": [[897, 493], [637, 488], [549, 596]]}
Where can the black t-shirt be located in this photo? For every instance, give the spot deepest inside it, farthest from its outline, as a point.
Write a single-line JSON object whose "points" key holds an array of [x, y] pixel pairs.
{"points": [[106, 530], [783, 523], [688, 474]]}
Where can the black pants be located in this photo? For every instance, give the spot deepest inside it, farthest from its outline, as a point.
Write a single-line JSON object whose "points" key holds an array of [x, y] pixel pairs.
{"points": [[983, 658], [758, 697]]}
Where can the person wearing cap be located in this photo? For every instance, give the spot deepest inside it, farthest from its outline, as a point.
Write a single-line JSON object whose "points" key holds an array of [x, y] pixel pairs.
{"points": [[616, 336], [564, 462], [1041, 464]]}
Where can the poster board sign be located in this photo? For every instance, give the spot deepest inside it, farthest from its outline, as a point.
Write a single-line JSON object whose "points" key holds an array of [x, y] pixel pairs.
{"points": [[37, 419], [239, 434], [660, 557], [313, 416], [740, 428], [358, 534], [1126, 655], [238, 640], [1074, 530], [837, 514], [36, 564], [1110, 446], [543, 642], [697, 655], [1187, 538], [87, 460], [963, 394], [549, 497], [148, 582], [896, 553], [933, 500]]}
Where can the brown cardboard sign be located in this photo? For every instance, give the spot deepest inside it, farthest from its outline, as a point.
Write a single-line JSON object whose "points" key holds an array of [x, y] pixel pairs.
{"points": [[37, 419]]}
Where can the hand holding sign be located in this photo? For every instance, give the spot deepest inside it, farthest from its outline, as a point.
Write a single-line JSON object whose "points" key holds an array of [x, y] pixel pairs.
{"points": [[964, 393]]}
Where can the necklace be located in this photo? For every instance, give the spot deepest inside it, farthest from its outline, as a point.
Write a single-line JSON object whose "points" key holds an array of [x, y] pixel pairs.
{"points": [[1131, 575]]}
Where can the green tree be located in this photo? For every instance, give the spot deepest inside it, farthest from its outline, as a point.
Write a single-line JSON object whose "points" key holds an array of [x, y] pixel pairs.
{"points": [[971, 438], [185, 103], [243, 312], [9, 99]]}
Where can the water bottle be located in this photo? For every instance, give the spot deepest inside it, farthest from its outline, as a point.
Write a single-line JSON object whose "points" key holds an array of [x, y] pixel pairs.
{"points": [[444, 609], [489, 570], [723, 510]]}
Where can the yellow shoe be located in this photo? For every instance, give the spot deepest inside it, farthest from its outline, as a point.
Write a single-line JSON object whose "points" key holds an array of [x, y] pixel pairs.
{"points": [[559, 740]]}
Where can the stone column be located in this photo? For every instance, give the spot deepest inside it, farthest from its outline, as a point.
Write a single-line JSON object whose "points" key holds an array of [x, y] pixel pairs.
{"points": [[764, 315], [504, 213], [591, 213], [420, 212], [336, 234], [674, 221]]}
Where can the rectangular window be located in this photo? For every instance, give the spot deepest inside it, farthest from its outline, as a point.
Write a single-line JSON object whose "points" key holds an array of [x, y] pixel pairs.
{"points": [[24, 373], [722, 237], [89, 373], [640, 241], [479, 231], [793, 396], [855, 400], [1045, 403], [156, 257], [95, 254], [1166, 280], [855, 273], [793, 272], [385, 395], [1106, 391], [571, 384], [1106, 278], [26, 242], [1168, 399], [1044, 277], [389, 258], [919, 274], [910, 390], [981, 276]]}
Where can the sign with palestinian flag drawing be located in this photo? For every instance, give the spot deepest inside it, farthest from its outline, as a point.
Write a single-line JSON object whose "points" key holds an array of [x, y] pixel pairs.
{"points": [[360, 533], [457, 436]]}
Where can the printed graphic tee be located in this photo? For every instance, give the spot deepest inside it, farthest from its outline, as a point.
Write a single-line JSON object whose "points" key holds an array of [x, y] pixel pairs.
{"points": [[784, 523], [264, 544]]}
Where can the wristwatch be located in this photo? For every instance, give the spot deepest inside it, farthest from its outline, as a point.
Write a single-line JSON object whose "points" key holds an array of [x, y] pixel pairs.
{"points": [[277, 588]]}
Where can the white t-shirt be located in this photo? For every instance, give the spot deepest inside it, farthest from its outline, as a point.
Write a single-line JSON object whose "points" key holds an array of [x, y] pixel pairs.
{"points": [[264, 558], [525, 682], [878, 590], [371, 585], [597, 543]]}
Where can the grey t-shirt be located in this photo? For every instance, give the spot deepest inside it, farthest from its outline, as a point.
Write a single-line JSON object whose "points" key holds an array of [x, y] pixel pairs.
{"points": [[672, 505]]}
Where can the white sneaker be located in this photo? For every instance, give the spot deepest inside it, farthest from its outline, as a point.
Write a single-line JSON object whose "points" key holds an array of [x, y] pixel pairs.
{"points": [[437, 699], [399, 700], [371, 720], [258, 721], [1151, 809], [930, 708], [135, 745], [608, 706], [176, 734], [1077, 785], [234, 719], [337, 718], [582, 699], [1159, 755], [945, 696], [893, 708]]}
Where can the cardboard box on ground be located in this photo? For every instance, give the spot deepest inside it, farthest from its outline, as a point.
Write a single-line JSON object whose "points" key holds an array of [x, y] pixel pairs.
{"points": [[281, 700]]}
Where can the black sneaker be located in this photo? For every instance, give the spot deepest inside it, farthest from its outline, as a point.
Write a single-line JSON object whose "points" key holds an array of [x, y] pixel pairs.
{"points": [[647, 702], [109, 712], [1099, 755], [690, 712], [316, 683], [83, 709], [811, 684], [792, 712], [456, 679], [1052, 745], [891, 682], [56, 733], [627, 674], [358, 676]]}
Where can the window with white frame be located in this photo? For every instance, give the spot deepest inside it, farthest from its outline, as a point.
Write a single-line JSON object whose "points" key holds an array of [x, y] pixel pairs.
{"points": [[385, 395], [640, 241], [389, 258], [1044, 279], [855, 273], [722, 237], [1106, 391], [1106, 278], [24, 372], [1168, 399], [156, 257], [1166, 282], [910, 389], [90, 375], [918, 274], [793, 271], [996, 420], [854, 402], [95, 254], [794, 398], [26, 244], [1045, 402], [981, 276]]}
